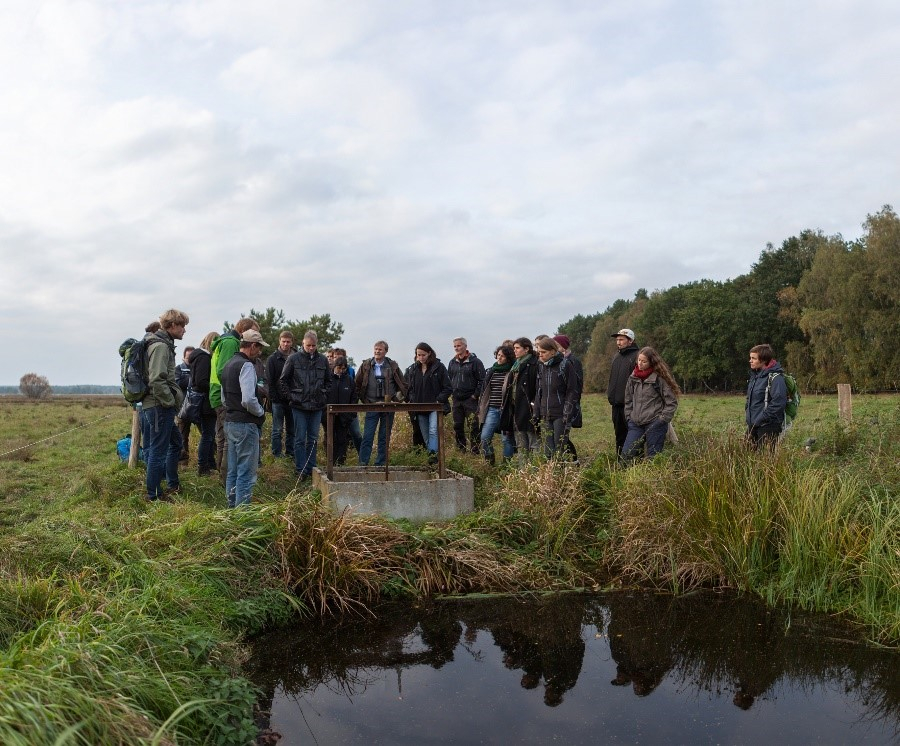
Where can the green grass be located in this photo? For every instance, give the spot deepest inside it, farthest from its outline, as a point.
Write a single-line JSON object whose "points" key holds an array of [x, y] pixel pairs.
{"points": [[122, 622]]}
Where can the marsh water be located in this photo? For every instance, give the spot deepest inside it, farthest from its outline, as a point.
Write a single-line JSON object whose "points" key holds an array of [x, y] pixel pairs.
{"points": [[572, 669]]}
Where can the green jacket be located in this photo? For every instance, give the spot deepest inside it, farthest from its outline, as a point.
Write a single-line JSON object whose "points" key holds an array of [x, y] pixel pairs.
{"points": [[223, 349], [163, 391]]}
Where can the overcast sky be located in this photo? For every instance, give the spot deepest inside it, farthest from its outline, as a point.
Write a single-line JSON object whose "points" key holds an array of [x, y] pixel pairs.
{"points": [[419, 170]]}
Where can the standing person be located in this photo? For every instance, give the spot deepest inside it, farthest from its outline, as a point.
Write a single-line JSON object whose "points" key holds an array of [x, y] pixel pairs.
{"points": [[490, 405], [341, 391], [622, 365], [766, 398], [378, 380], [183, 379], [429, 383], [417, 440], [222, 351], [162, 448], [518, 407], [282, 418], [563, 341], [244, 414], [651, 398], [557, 393], [304, 383], [201, 366], [355, 432], [467, 379]]}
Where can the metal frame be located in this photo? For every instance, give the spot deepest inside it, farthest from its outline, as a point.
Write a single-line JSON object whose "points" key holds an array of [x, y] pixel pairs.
{"points": [[383, 408]]}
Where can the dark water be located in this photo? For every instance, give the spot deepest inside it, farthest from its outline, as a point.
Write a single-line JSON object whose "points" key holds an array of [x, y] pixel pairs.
{"points": [[617, 668]]}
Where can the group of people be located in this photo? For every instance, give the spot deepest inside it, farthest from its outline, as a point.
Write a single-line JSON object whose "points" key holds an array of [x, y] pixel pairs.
{"points": [[530, 396]]}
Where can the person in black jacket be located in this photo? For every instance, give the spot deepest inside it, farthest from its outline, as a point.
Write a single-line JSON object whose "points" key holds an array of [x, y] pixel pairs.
{"points": [[466, 379], [304, 383], [428, 383], [622, 366], [282, 418], [183, 379], [518, 404], [201, 365], [341, 391]]}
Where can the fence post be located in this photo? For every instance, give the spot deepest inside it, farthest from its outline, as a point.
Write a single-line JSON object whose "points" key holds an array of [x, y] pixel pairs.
{"points": [[135, 438], [845, 402]]}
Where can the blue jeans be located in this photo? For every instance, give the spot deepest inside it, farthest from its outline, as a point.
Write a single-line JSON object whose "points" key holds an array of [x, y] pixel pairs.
{"points": [[490, 426], [654, 434], [384, 422], [282, 421], [428, 427], [306, 438], [162, 448], [206, 451], [243, 457], [355, 434]]}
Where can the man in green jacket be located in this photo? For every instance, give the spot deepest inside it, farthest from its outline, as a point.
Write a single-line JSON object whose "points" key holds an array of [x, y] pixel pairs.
{"points": [[159, 407]]}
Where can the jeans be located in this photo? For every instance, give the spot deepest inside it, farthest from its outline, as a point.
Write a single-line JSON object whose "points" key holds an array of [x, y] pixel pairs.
{"points": [[243, 457], [162, 448], [654, 434], [490, 426], [555, 436], [306, 437], [282, 421], [206, 451], [428, 428], [527, 442], [355, 434], [384, 421]]}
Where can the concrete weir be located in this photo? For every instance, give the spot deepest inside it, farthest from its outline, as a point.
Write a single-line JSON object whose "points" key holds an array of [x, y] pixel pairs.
{"points": [[404, 492]]}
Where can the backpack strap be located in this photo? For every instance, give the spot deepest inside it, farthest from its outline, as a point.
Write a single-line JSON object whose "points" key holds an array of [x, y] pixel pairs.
{"points": [[768, 388]]}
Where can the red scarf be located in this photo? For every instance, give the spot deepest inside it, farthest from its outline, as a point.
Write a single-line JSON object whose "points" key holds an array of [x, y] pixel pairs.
{"points": [[642, 374]]}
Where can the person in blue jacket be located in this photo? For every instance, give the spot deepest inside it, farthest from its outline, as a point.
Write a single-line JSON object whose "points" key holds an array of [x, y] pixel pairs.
{"points": [[766, 397]]}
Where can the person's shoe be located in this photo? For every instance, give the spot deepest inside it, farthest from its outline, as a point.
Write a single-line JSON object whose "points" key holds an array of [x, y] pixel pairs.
{"points": [[204, 472], [172, 490]]}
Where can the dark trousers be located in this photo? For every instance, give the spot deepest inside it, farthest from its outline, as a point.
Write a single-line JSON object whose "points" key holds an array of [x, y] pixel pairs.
{"points": [[620, 426], [466, 410]]}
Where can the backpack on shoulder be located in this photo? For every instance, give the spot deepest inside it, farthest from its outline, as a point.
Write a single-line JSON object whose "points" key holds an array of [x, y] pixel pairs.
{"points": [[135, 382], [792, 407]]}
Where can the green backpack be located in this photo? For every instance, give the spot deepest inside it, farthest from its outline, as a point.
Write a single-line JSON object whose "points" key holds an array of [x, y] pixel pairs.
{"points": [[793, 396]]}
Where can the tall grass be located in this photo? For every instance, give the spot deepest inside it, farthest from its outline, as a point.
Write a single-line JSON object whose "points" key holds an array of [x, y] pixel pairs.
{"points": [[781, 526]]}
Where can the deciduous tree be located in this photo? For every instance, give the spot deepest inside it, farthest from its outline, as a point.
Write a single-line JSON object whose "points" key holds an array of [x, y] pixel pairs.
{"points": [[34, 386]]}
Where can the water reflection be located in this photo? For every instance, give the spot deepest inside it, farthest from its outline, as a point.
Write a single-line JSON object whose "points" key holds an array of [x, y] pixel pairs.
{"points": [[719, 668]]}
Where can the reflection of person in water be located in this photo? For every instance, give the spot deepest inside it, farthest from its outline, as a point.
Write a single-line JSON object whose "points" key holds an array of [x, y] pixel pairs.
{"points": [[637, 641], [441, 632], [547, 645]]}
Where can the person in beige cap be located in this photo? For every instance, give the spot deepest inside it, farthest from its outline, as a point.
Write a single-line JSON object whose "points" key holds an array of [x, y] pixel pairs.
{"points": [[244, 413], [622, 366]]}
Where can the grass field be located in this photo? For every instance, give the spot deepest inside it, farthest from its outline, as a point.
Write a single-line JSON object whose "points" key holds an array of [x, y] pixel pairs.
{"points": [[121, 622]]}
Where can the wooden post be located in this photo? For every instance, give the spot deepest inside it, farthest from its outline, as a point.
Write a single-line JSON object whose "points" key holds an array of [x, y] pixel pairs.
{"points": [[845, 402], [135, 438]]}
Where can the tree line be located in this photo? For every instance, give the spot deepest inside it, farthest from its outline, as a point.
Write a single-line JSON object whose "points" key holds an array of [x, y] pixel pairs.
{"points": [[829, 307]]}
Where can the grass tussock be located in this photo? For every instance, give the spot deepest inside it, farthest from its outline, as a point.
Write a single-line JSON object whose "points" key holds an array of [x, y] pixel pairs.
{"points": [[776, 525]]}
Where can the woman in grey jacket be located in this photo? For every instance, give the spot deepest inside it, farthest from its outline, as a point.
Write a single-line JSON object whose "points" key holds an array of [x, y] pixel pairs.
{"points": [[651, 398]]}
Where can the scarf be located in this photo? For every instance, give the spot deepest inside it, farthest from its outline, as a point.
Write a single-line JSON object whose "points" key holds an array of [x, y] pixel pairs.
{"points": [[497, 368], [642, 374], [520, 361]]}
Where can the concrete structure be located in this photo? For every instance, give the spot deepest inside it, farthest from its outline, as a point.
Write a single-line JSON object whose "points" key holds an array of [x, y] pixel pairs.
{"points": [[404, 492]]}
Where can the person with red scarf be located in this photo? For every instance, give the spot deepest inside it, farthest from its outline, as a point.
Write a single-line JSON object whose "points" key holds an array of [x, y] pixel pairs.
{"points": [[651, 398]]}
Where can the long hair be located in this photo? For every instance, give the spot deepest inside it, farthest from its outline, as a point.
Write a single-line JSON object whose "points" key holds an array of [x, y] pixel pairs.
{"points": [[425, 347], [206, 342], [662, 370]]}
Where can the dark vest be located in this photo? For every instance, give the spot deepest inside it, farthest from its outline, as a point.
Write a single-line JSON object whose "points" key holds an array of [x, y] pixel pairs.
{"points": [[231, 391]]}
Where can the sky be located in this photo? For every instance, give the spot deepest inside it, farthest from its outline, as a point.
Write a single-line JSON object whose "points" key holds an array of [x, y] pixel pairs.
{"points": [[419, 170]]}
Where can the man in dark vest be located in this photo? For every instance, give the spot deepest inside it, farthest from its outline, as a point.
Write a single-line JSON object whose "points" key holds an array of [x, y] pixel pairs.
{"points": [[378, 380], [622, 366], [244, 414]]}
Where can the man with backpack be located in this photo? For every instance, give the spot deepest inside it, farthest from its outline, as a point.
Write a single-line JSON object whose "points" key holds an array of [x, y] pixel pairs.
{"points": [[160, 404], [767, 398]]}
